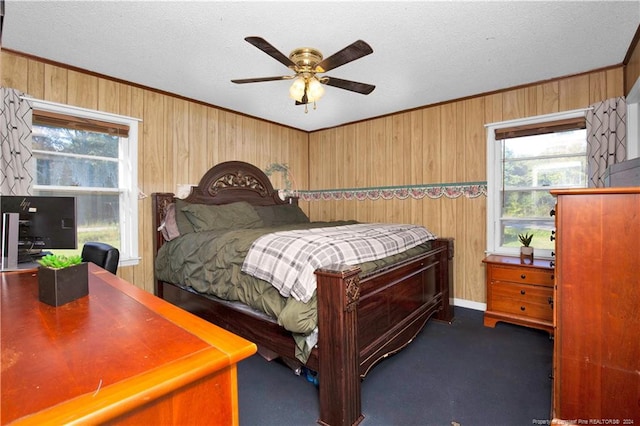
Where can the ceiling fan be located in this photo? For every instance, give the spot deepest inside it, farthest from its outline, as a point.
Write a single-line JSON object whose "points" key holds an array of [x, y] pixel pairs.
{"points": [[307, 63]]}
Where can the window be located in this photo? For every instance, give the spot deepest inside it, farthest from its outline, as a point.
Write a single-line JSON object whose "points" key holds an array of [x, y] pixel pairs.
{"points": [[525, 160], [93, 156]]}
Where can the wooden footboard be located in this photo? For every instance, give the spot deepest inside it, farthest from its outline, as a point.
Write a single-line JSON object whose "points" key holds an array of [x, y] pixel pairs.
{"points": [[362, 321]]}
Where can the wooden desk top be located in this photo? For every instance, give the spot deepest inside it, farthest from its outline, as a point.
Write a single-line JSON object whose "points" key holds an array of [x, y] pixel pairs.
{"points": [[109, 351]]}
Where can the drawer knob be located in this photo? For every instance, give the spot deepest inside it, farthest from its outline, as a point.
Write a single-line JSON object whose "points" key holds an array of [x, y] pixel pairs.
{"points": [[550, 300], [522, 308], [522, 292], [523, 276]]}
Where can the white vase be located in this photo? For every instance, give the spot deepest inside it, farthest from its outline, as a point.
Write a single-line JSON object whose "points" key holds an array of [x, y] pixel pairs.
{"points": [[526, 254], [527, 251]]}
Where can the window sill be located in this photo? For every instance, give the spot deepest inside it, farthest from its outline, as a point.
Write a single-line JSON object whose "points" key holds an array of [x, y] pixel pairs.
{"points": [[132, 261]]}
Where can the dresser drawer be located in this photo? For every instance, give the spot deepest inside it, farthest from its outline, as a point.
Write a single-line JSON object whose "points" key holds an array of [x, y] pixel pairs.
{"points": [[522, 275]]}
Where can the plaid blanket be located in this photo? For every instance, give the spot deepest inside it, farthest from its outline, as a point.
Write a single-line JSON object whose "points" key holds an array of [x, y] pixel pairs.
{"points": [[288, 259]]}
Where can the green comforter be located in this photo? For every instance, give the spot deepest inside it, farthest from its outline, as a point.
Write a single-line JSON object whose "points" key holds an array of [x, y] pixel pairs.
{"points": [[210, 262]]}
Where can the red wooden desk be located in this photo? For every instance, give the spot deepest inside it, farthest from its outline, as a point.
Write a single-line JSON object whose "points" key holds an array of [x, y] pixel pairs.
{"points": [[119, 354]]}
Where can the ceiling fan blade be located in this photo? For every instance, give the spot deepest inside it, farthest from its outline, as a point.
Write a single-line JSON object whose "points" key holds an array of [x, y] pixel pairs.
{"points": [[354, 86], [267, 48], [355, 50], [261, 79]]}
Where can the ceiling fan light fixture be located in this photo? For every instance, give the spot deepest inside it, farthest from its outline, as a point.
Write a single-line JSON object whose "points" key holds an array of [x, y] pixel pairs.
{"points": [[296, 91], [311, 85], [315, 90]]}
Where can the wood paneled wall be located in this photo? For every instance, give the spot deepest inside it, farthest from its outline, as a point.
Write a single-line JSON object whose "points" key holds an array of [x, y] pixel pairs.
{"points": [[178, 140], [439, 144]]}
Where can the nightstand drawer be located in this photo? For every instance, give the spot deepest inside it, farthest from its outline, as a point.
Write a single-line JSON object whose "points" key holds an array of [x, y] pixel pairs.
{"points": [[520, 293], [524, 300], [522, 275], [538, 311]]}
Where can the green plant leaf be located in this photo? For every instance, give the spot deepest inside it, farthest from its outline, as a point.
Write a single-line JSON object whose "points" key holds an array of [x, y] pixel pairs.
{"points": [[525, 239], [60, 261]]}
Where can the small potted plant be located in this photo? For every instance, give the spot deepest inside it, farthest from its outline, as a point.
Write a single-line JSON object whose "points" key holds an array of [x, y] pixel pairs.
{"points": [[62, 279], [526, 251]]}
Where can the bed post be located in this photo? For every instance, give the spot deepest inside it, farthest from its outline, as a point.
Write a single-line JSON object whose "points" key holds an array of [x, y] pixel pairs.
{"points": [[338, 291], [446, 279], [159, 203]]}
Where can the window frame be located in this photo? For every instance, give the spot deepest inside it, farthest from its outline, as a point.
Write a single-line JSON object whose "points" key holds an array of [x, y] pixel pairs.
{"points": [[127, 169], [494, 178]]}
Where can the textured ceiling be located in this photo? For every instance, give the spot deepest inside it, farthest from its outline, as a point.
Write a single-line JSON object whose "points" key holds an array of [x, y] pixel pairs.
{"points": [[424, 52]]}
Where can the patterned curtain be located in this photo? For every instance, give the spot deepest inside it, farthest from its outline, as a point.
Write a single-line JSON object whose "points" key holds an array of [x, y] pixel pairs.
{"points": [[606, 138], [17, 164]]}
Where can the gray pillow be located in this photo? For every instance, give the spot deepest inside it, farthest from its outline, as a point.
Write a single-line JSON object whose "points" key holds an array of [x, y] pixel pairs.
{"points": [[240, 215]]}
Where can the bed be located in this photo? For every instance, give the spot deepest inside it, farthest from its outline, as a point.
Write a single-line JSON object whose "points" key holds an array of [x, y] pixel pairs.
{"points": [[364, 313]]}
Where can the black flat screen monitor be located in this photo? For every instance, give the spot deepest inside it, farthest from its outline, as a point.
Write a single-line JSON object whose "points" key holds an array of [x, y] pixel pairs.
{"points": [[43, 223]]}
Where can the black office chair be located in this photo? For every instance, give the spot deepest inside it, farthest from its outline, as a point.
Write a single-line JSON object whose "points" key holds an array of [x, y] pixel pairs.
{"points": [[101, 254]]}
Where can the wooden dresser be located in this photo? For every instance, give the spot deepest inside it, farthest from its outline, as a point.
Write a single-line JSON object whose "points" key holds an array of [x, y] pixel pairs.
{"points": [[596, 358], [119, 355], [519, 293]]}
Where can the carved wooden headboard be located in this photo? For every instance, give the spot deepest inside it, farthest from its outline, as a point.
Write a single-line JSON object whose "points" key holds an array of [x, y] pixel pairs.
{"points": [[224, 183]]}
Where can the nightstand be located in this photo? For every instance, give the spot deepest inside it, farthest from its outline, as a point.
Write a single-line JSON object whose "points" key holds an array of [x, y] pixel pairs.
{"points": [[519, 293]]}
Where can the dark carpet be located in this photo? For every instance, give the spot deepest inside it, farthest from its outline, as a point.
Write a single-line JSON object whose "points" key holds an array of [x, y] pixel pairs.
{"points": [[461, 373]]}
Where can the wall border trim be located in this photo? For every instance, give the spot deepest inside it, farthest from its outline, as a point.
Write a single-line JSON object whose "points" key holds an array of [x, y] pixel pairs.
{"points": [[416, 192]]}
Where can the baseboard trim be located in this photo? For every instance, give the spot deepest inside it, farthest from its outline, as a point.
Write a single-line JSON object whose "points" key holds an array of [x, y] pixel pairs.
{"points": [[470, 304]]}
